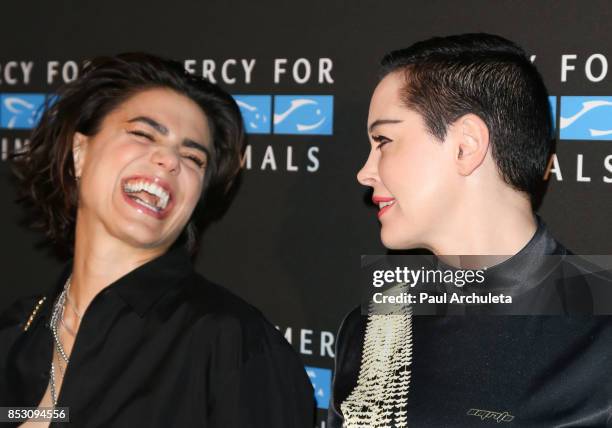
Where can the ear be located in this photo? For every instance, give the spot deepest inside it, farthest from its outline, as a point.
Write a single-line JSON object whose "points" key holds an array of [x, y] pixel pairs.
{"points": [[79, 150], [472, 136]]}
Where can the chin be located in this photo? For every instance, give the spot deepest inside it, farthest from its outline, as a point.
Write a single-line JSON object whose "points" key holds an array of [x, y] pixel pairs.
{"points": [[396, 241], [391, 241]]}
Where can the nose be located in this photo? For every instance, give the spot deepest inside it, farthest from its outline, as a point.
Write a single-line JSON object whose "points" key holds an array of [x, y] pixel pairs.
{"points": [[368, 174], [167, 158]]}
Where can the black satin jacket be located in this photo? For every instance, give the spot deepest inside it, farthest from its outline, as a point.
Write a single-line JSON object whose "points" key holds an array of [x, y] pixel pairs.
{"points": [[541, 371], [160, 347]]}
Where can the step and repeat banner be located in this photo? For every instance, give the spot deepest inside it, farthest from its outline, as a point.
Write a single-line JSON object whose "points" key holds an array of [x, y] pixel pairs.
{"points": [[302, 74]]}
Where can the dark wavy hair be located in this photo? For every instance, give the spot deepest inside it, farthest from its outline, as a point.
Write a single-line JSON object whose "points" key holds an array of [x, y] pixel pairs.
{"points": [[45, 168], [492, 77]]}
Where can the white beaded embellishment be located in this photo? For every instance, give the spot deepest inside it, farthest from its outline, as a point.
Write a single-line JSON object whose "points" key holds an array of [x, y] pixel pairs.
{"points": [[380, 397]]}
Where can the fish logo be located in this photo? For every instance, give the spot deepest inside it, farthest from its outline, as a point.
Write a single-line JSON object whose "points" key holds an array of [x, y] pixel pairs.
{"points": [[321, 382], [255, 110], [303, 114], [21, 111], [586, 118]]}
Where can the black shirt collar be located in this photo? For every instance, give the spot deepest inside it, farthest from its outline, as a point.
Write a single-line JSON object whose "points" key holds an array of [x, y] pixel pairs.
{"points": [[527, 268], [530, 266], [143, 286]]}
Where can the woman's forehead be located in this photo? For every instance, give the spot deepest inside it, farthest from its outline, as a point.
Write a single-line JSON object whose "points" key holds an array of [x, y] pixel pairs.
{"points": [[173, 111], [387, 94]]}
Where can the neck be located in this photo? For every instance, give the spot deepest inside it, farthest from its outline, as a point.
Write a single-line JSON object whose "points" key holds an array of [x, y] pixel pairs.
{"points": [[101, 259], [497, 223]]}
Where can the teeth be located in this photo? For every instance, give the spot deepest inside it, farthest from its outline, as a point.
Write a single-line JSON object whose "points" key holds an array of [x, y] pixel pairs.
{"points": [[143, 203], [381, 205], [141, 185]]}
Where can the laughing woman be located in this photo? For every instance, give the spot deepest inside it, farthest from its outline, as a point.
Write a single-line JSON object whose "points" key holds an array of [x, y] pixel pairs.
{"points": [[130, 334]]}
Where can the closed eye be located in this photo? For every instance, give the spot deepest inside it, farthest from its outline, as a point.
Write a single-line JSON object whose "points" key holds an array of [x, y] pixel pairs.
{"points": [[143, 134], [199, 162]]}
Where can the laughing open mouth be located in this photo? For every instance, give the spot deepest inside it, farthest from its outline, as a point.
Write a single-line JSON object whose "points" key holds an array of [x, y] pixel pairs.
{"points": [[148, 194]]}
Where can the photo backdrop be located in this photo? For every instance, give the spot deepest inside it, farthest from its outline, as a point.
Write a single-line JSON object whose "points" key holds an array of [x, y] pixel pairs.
{"points": [[302, 72]]}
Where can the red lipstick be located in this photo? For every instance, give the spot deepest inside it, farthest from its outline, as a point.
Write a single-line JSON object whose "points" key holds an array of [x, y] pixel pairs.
{"points": [[378, 199]]}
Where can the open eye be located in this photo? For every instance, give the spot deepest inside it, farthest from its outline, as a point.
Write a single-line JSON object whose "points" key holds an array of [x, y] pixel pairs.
{"points": [[381, 140]]}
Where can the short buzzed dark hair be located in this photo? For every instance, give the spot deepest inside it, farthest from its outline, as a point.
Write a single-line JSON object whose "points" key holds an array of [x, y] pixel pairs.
{"points": [[491, 77]]}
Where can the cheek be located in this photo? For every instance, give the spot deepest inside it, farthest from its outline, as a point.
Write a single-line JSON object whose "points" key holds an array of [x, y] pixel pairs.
{"points": [[106, 164], [191, 184], [107, 156], [414, 176], [405, 170]]}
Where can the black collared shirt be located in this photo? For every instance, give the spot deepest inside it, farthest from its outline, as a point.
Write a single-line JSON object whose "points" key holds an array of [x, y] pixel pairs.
{"points": [[535, 371], [160, 347]]}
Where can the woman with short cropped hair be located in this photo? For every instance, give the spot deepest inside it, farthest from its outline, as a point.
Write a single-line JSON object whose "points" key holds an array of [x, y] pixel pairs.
{"points": [[460, 135]]}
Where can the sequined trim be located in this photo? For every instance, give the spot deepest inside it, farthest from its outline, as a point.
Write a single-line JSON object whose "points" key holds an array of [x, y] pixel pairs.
{"points": [[33, 314]]}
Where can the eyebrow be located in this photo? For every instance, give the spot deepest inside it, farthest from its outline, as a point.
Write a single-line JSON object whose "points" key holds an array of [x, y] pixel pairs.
{"points": [[164, 131], [152, 123], [382, 122]]}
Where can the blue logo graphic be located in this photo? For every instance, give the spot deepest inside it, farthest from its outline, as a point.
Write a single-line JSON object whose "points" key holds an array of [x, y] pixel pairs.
{"points": [[553, 110], [255, 111], [21, 111], [586, 118], [321, 382], [304, 114]]}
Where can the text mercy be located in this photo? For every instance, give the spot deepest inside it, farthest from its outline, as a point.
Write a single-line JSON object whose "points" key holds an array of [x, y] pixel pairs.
{"points": [[456, 298]]}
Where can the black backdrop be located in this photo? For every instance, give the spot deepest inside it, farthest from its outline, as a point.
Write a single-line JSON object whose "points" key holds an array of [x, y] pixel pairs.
{"points": [[291, 240]]}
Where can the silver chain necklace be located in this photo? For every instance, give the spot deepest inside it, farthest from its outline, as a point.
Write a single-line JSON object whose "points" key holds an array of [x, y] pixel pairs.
{"points": [[56, 318]]}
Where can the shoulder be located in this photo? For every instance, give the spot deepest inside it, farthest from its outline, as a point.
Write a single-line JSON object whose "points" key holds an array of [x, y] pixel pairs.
{"points": [[353, 324], [14, 321], [211, 300], [229, 321], [351, 333], [231, 339], [20, 311], [586, 281], [349, 344]]}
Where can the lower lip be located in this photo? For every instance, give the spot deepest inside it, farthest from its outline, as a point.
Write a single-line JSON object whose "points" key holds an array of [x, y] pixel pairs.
{"points": [[148, 211], [385, 209]]}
